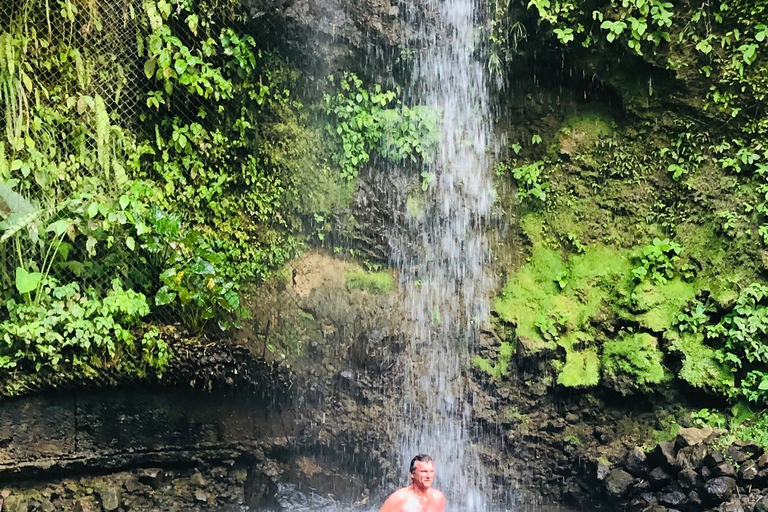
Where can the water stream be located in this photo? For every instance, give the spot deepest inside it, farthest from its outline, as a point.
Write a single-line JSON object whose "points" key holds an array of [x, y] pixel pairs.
{"points": [[442, 253]]}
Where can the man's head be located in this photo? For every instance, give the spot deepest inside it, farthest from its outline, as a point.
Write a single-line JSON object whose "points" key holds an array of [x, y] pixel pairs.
{"points": [[422, 471]]}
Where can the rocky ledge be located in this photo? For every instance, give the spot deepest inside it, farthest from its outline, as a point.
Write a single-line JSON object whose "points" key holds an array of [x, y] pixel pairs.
{"points": [[699, 470]]}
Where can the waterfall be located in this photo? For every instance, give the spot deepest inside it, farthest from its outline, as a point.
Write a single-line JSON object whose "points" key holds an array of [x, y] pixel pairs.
{"points": [[442, 253]]}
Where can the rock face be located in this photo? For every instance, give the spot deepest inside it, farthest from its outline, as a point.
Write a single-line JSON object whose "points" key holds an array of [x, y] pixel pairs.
{"points": [[225, 432], [690, 473]]}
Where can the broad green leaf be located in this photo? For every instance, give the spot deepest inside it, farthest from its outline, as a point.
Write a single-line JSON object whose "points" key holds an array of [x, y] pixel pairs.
{"points": [[27, 281]]}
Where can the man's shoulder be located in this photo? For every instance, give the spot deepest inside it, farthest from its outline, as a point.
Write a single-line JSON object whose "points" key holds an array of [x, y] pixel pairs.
{"points": [[436, 495], [402, 493]]}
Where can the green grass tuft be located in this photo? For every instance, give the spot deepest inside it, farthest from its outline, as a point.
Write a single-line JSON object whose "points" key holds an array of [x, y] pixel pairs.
{"points": [[371, 282]]}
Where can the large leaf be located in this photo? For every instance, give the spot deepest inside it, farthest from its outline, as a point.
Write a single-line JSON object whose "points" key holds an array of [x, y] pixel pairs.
{"points": [[27, 281]]}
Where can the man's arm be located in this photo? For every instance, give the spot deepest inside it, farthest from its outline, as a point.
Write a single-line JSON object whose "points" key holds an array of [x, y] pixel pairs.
{"points": [[395, 502]]}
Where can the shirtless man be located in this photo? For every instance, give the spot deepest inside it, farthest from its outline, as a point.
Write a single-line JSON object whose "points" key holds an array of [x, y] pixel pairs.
{"points": [[419, 496]]}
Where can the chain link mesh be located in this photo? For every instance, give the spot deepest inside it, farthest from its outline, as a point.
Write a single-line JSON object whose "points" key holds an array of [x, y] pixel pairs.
{"points": [[65, 56]]}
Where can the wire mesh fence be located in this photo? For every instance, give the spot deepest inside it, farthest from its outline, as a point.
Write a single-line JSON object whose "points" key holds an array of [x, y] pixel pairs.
{"points": [[143, 146]]}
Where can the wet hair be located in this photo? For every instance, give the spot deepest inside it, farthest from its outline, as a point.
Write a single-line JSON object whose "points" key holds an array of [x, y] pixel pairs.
{"points": [[422, 457]]}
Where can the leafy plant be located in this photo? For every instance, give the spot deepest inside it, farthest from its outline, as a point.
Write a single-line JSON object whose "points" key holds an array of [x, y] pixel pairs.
{"points": [[78, 331], [657, 261], [195, 286], [528, 178], [365, 121]]}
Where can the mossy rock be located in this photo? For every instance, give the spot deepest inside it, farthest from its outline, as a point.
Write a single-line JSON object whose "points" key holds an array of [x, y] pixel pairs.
{"points": [[501, 366], [633, 363], [658, 305], [580, 369], [700, 367]]}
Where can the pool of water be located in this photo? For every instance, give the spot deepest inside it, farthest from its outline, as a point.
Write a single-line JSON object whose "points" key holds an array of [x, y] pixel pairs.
{"points": [[290, 498]]}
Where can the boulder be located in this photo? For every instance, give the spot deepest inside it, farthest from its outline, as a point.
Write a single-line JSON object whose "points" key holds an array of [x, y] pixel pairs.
{"points": [[689, 479], [748, 472], [15, 503], [673, 499], [713, 458], [86, 505], [693, 436], [724, 469], [636, 463], [617, 482], [655, 507], [663, 456], [741, 451], [109, 496], [658, 478], [694, 500], [691, 457], [720, 488]]}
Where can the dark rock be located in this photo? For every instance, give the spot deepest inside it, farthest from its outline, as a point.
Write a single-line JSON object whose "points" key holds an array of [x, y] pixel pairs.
{"points": [[691, 457], [706, 473], [724, 469], [737, 454], [556, 425], [761, 505], [636, 463], [751, 449], [639, 503], [673, 499], [694, 500], [617, 482], [663, 455], [153, 477], [748, 472], [713, 458], [720, 488], [659, 478], [689, 479], [639, 487], [692, 436], [602, 470]]}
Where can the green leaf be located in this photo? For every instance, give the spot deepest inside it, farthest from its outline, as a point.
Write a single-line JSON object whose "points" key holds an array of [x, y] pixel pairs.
{"points": [[130, 243], [59, 227], [164, 296], [27, 281]]}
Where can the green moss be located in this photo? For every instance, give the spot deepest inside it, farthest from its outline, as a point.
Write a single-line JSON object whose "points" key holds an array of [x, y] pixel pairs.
{"points": [[581, 369], [635, 360], [534, 228], [700, 367], [371, 282], [501, 367], [659, 304]]}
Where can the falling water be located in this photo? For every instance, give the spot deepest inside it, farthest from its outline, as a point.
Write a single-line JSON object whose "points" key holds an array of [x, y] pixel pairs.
{"points": [[443, 253]]}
